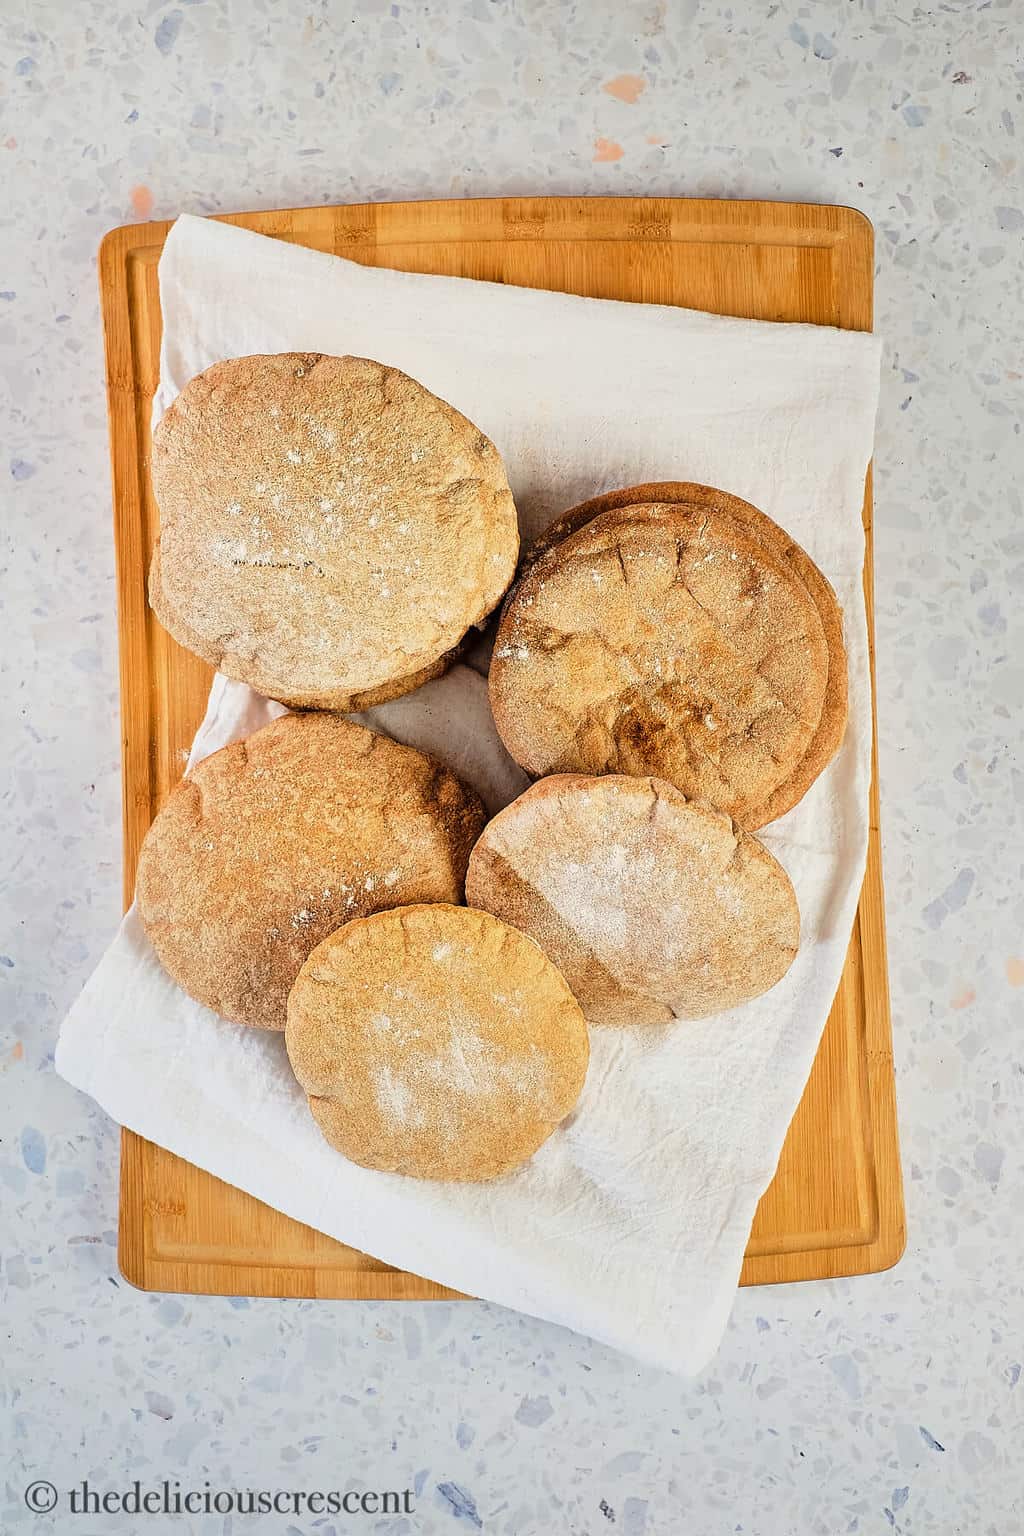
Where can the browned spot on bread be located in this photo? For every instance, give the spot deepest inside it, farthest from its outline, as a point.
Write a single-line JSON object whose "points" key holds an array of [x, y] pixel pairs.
{"points": [[831, 725], [687, 648]]}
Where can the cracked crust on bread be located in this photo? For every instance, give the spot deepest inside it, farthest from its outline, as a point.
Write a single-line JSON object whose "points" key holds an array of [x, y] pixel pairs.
{"points": [[663, 638]]}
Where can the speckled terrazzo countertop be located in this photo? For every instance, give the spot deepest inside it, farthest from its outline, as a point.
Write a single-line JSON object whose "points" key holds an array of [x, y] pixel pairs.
{"points": [[887, 1402]]}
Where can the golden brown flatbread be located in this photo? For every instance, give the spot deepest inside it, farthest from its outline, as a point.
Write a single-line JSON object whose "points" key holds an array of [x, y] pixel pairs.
{"points": [[652, 906], [329, 529], [435, 1042], [272, 843], [663, 639], [832, 725]]}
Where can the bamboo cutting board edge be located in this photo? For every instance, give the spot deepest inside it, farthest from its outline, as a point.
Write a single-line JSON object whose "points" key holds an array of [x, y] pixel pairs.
{"points": [[845, 233]]}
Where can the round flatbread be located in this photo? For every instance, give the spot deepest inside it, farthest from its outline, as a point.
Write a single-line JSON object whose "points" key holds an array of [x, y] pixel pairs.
{"points": [[329, 529], [272, 843], [435, 1042], [662, 639], [653, 907], [831, 727]]}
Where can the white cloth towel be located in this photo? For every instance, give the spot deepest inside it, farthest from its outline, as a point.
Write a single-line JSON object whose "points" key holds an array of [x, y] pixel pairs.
{"points": [[630, 1223]]}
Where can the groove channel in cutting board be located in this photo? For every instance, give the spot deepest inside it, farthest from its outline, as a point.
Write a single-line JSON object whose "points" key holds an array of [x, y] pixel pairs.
{"points": [[835, 1206]]}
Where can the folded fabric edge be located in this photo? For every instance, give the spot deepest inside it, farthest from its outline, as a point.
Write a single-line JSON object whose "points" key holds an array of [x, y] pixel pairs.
{"points": [[286, 254], [75, 1064]]}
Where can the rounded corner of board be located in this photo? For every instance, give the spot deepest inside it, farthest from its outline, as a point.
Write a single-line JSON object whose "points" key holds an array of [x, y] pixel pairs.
{"points": [[113, 245], [857, 224], [130, 1266]]}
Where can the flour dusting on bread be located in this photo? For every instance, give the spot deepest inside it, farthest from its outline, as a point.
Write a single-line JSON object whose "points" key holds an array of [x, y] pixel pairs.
{"points": [[435, 1041], [653, 907], [272, 843], [330, 530]]}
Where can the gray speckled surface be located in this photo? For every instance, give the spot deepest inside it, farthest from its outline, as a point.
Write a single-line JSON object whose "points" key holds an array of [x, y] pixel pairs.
{"points": [[889, 1402]]}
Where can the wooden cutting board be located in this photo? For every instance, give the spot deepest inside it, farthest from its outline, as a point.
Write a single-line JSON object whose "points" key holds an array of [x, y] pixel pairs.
{"points": [[835, 1206]]}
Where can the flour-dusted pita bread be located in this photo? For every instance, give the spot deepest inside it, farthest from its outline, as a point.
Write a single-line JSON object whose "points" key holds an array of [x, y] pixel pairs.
{"points": [[831, 725], [329, 529], [652, 906], [273, 842], [666, 639], [435, 1042]]}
